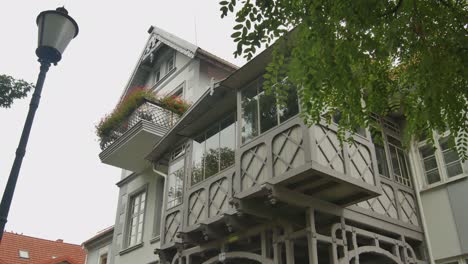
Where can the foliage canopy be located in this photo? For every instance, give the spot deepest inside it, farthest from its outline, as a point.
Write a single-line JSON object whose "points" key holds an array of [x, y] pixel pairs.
{"points": [[360, 57], [11, 89]]}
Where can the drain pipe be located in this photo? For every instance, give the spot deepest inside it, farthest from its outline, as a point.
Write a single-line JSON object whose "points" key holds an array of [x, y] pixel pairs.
{"points": [[160, 173], [417, 183]]}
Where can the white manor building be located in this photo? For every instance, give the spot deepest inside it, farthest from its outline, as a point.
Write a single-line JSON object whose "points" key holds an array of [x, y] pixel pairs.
{"points": [[237, 180]]}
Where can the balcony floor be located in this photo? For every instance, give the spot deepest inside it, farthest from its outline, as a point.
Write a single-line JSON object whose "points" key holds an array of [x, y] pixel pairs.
{"points": [[130, 150]]}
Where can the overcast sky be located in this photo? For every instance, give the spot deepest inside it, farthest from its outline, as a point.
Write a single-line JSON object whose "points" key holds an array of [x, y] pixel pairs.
{"points": [[64, 191]]}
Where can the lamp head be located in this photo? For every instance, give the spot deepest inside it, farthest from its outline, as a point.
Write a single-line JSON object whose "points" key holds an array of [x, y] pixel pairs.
{"points": [[56, 30]]}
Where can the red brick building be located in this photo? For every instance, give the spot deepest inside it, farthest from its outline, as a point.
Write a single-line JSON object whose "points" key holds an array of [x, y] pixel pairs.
{"points": [[21, 249]]}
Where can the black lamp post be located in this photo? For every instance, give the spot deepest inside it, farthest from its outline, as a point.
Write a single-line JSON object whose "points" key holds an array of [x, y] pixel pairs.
{"points": [[56, 30]]}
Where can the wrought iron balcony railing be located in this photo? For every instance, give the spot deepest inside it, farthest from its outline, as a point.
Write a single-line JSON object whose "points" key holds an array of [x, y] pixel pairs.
{"points": [[149, 111]]}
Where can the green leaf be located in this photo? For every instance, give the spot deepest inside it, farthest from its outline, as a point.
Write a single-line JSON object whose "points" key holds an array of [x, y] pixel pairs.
{"points": [[236, 34]]}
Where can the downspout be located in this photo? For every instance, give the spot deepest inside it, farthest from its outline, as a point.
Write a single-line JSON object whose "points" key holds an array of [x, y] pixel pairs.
{"points": [[160, 173], [417, 183]]}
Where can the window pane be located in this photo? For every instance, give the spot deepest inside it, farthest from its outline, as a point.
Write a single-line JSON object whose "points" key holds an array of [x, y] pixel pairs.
{"points": [[394, 157], [249, 112], [429, 164], [454, 169], [268, 112], [227, 142], [399, 161], [175, 183], [211, 155], [380, 153], [198, 147], [135, 225], [450, 155], [432, 176], [292, 106], [405, 174]]}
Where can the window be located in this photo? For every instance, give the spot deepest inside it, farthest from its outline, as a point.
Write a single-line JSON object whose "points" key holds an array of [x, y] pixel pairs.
{"points": [[103, 259], [170, 63], [440, 162], [213, 150], [399, 161], [24, 254], [175, 179], [382, 164], [260, 111], [392, 161], [179, 91], [157, 75], [136, 218]]}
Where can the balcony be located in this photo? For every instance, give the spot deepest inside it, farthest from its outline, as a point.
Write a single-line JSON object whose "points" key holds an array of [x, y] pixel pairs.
{"points": [[276, 176], [127, 146], [309, 161]]}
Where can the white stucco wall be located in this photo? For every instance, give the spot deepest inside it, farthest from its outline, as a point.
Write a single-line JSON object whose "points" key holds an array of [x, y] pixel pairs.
{"points": [[440, 223], [145, 253]]}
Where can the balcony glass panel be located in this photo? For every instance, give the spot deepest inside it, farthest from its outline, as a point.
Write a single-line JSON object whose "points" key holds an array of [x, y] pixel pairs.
{"points": [[198, 147], [227, 142], [292, 107], [260, 112], [175, 183], [213, 150], [249, 112], [268, 111]]}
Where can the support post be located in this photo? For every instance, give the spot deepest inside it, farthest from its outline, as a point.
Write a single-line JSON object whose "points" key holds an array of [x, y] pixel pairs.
{"points": [[312, 237], [289, 244], [21, 150]]}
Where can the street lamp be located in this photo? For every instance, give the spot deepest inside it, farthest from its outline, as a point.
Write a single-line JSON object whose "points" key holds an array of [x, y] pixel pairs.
{"points": [[56, 30]]}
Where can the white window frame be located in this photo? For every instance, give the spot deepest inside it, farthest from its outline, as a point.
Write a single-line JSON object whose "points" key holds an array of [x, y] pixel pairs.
{"points": [[181, 88], [156, 72], [178, 154], [102, 257], [141, 213], [173, 58], [441, 166], [388, 129]]}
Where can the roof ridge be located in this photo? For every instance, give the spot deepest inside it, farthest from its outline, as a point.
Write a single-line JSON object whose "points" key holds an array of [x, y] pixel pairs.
{"points": [[28, 236]]}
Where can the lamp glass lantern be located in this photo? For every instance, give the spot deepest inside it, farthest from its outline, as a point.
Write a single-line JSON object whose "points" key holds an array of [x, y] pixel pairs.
{"points": [[56, 30]]}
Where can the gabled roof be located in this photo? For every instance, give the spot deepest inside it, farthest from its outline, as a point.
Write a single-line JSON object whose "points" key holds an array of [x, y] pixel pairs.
{"points": [[159, 36], [40, 250]]}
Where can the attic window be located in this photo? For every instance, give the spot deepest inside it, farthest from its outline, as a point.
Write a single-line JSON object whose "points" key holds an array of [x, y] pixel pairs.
{"points": [[24, 254]]}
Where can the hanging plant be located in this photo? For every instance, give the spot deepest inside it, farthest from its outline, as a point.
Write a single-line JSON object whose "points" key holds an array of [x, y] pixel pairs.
{"points": [[134, 99]]}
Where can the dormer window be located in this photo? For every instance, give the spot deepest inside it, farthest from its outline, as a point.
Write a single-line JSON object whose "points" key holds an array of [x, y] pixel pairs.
{"points": [[24, 254]]}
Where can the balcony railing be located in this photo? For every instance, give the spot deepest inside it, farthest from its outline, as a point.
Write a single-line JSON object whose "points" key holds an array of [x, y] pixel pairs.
{"points": [[148, 111]]}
